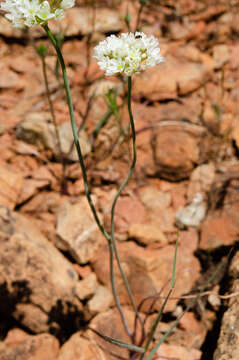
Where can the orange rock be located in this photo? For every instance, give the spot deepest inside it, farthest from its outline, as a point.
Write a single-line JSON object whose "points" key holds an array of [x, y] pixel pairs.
{"points": [[149, 270], [38, 273], [178, 352], [10, 79], [155, 84], [39, 347], [15, 336], [77, 231], [220, 228], [176, 152], [109, 323], [11, 186], [80, 348]]}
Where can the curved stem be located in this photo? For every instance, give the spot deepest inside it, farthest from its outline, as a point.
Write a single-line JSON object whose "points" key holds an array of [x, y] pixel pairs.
{"points": [[86, 186], [121, 188], [74, 130]]}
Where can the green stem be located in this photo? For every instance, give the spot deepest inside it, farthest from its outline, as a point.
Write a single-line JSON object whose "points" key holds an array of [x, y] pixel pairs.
{"points": [[58, 140], [86, 186], [190, 305], [159, 316], [127, 286]]}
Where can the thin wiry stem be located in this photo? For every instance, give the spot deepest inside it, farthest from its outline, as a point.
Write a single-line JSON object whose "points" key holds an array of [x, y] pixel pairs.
{"points": [[121, 188], [58, 140], [82, 164]]}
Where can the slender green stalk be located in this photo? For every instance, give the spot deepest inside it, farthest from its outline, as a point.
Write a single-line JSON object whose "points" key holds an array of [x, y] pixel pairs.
{"points": [[58, 140], [86, 186], [118, 195], [159, 316], [74, 129], [190, 305]]}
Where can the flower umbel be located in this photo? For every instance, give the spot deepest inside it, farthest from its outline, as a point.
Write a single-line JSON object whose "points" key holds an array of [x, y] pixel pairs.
{"points": [[128, 54], [34, 12]]}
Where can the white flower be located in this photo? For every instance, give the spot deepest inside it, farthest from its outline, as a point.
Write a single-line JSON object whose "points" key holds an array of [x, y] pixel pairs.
{"points": [[59, 14], [128, 54], [34, 12], [45, 12]]}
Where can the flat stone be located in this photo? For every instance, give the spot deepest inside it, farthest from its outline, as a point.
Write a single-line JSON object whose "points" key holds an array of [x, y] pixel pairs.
{"points": [[152, 268], [177, 151], [109, 323], [77, 231], [156, 84], [9, 79], [78, 20], [38, 347], [87, 287], [179, 352], [220, 228], [10, 187], [80, 348], [37, 129], [38, 279], [101, 301], [67, 142]]}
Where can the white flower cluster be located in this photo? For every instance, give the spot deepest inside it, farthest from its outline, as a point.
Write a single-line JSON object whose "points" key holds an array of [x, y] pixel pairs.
{"points": [[34, 12], [128, 54]]}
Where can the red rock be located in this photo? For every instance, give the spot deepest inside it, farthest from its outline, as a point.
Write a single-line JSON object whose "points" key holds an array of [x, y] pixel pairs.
{"points": [[87, 287], [101, 301], [196, 29], [176, 151], [189, 323], [79, 21], [11, 185], [39, 347], [15, 336], [155, 84], [220, 228], [178, 352], [39, 277], [209, 12], [147, 234], [234, 59], [77, 231], [109, 323], [80, 348], [67, 140], [152, 268], [159, 212], [22, 64], [10, 79], [83, 271], [221, 55], [189, 239], [30, 188], [45, 201], [128, 211], [178, 31]]}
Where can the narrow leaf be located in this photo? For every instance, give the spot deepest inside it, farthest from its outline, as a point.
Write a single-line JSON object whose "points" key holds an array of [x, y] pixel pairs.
{"points": [[192, 302], [119, 343]]}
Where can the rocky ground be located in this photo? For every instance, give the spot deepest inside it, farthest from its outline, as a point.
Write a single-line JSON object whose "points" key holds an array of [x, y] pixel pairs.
{"points": [[54, 271]]}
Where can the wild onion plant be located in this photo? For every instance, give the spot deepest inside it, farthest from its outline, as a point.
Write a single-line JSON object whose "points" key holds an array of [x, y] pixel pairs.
{"points": [[128, 54]]}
